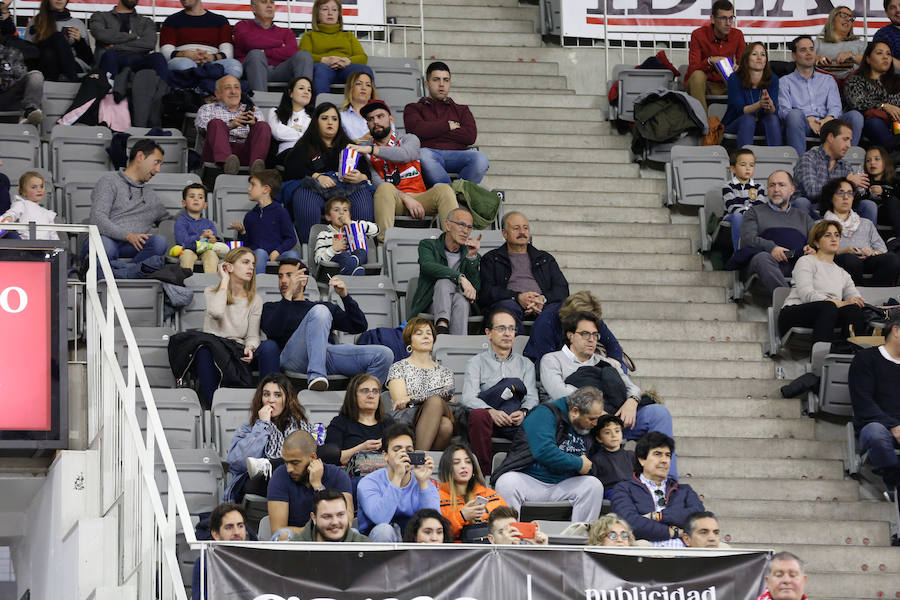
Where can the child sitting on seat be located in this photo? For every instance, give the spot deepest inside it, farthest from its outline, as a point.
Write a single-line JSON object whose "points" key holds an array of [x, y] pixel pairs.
{"points": [[344, 242], [267, 228], [26, 208], [612, 462], [195, 236], [741, 193]]}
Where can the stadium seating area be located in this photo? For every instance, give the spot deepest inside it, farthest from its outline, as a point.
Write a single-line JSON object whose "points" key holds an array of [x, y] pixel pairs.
{"points": [[779, 473]]}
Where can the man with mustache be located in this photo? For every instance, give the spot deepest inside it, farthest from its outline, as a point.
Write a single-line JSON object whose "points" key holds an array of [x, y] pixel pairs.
{"points": [[519, 277]]}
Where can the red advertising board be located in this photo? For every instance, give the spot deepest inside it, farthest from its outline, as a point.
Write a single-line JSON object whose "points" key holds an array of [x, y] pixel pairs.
{"points": [[25, 350]]}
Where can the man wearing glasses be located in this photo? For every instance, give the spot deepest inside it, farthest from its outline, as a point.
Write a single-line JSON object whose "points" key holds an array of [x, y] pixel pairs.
{"points": [[890, 34], [499, 388], [449, 275], [710, 44], [655, 505], [579, 364]]}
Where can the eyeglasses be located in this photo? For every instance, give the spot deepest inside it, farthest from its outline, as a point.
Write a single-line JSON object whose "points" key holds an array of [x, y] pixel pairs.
{"points": [[847, 17], [732, 19], [368, 391], [612, 535], [660, 498], [844, 193], [504, 328], [589, 335], [465, 226]]}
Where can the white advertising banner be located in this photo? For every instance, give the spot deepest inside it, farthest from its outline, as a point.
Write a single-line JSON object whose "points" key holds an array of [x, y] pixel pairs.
{"points": [[635, 19]]}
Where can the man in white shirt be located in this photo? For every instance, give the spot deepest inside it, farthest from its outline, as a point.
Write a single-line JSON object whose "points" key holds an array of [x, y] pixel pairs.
{"points": [[564, 371]]}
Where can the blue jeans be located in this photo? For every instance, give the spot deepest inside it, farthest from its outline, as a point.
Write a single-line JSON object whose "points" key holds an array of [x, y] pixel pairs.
{"points": [[653, 417], [232, 66], [796, 128], [262, 257], [386, 533], [116, 249], [324, 76], [351, 261], [880, 443], [470, 164], [735, 218], [746, 126], [308, 351]]}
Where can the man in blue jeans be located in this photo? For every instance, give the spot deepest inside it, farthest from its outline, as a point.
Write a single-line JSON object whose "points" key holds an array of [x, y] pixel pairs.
{"points": [[125, 211], [874, 380], [302, 329], [446, 130]]}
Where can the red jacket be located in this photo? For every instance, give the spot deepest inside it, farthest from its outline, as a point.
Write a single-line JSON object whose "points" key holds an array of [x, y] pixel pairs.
{"points": [[429, 120], [704, 44]]}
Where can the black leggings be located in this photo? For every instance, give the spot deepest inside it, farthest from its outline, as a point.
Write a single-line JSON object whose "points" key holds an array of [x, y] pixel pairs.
{"points": [[823, 317], [883, 267]]}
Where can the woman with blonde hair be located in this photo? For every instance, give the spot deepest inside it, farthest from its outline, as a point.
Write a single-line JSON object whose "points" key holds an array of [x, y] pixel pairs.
{"points": [[838, 49], [335, 52], [610, 530], [422, 390], [358, 90], [549, 336], [223, 353]]}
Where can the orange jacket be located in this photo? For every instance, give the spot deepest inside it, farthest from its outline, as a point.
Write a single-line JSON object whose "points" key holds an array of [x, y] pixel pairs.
{"points": [[453, 514]]}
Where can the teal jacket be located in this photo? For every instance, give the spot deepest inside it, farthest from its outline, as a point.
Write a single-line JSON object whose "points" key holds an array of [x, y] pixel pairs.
{"points": [[433, 266]]}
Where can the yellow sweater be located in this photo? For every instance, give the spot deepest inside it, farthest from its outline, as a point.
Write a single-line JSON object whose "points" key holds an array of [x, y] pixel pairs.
{"points": [[331, 41]]}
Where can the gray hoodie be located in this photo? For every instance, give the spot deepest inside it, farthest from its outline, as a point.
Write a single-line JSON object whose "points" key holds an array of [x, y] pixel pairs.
{"points": [[121, 206]]}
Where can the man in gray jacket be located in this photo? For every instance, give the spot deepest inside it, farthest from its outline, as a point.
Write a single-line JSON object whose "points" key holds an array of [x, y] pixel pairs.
{"points": [[127, 40], [125, 211]]}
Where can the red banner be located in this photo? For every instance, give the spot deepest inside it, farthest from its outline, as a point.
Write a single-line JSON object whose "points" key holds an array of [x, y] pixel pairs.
{"points": [[25, 323]]}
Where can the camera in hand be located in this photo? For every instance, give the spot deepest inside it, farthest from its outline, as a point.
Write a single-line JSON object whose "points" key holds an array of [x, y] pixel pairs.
{"points": [[416, 458]]}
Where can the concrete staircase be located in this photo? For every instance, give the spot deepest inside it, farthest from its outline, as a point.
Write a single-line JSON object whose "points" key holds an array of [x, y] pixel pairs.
{"points": [[773, 476]]}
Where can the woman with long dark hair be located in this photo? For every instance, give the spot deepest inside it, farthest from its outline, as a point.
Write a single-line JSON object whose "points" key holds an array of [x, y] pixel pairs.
{"points": [[255, 451], [290, 119], [465, 497], [315, 160], [882, 189], [875, 91], [62, 41], [753, 99]]}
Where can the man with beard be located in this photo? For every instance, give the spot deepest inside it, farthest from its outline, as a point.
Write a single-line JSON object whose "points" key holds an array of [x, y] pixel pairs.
{"points": [[519, 277], [776, 231], [294, 484], [547, 461], [786, 579], [227, 523], [329, 520], [397, 173]]}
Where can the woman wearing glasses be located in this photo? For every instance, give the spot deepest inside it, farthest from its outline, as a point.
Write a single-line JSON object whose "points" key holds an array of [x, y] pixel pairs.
{"points": [[610, 530], [822, 293], [838, 49], [862, 251], [875, 91]]}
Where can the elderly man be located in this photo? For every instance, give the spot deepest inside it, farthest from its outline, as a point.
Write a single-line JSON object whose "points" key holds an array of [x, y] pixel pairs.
{"points": [[195, 36], [519, 277], [269, 52], [236, 134], [874, 381], [786, 579], [547, 461], [776, 231], [449, 274]]}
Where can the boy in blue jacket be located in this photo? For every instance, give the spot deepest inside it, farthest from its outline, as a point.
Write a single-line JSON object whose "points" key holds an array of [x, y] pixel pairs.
{"points": [[195, 235]]}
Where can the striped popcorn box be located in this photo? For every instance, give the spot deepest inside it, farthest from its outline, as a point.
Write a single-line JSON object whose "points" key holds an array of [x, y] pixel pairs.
{"points": [[319, 433], [356, 237], [725, 67], [349, 160], [234, 244]]}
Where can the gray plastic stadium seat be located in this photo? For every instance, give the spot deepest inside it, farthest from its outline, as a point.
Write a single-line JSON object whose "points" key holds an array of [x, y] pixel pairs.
{"points": [[772, 158], [373, 266], [264, 530], [401, 246], [833, 395], [21, 149], [192, 315], [230, 202], [266, 100], [78, 148], [376, 297], [454, 352], [329, 398], [168, 187], [76, 195], [491, 239], [142, 299], [175, 147], [714, 204], [321, 413], [201, 477], [633, 83], [230, 410], [58, 96], [798, 339], [856, 156], [155, 356], [336, 99], [695, 170], [180, 413]]}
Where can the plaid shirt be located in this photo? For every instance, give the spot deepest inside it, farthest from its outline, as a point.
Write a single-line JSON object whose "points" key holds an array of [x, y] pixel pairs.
{"points": [[811, 172], [217, 110]]}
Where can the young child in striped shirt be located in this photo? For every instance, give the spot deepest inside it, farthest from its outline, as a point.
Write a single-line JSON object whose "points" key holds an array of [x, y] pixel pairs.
{"points": [[741, 192], [332, 243]]}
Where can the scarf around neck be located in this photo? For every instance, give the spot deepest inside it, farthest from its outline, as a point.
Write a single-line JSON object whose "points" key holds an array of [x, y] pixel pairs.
{"points": [[849, 226]]}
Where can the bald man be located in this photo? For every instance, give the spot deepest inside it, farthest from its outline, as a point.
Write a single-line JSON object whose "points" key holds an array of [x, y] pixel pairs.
{"points": [[236, 133], [294, 484]]}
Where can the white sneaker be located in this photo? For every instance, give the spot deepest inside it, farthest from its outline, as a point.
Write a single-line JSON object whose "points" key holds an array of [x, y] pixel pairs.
{"points": [[319, 384], [257, 467]]}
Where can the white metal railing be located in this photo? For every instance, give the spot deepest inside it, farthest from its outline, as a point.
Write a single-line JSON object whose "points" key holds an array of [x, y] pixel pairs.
{"points": [[147, 528]]}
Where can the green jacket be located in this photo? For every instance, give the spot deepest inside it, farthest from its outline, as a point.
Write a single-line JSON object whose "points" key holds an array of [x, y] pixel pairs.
{"points": [[308, 534], [433, 266]]}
